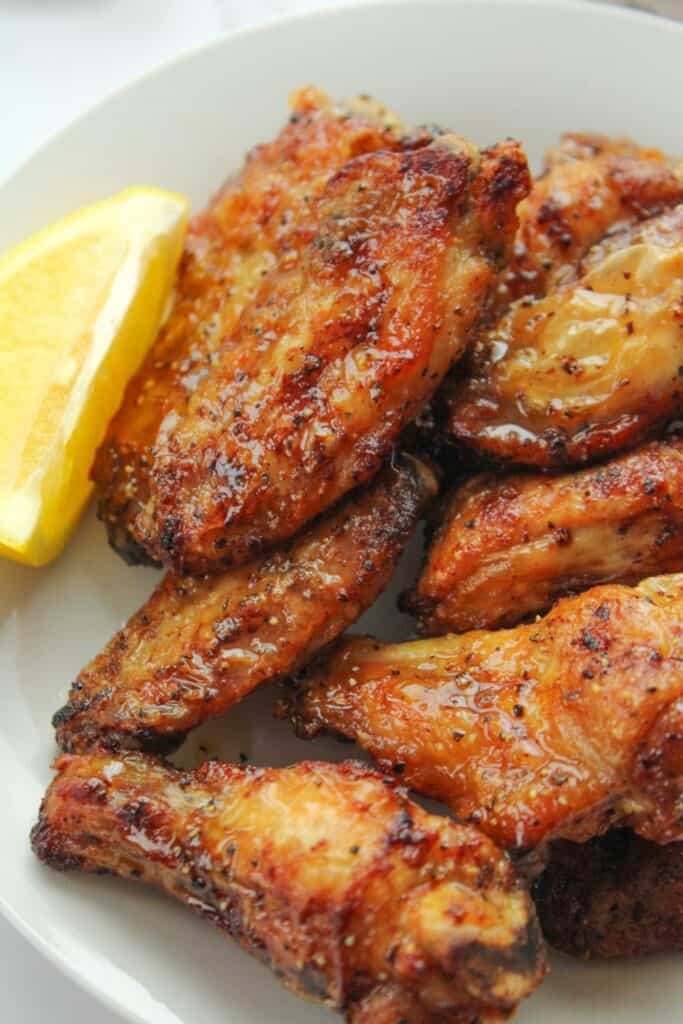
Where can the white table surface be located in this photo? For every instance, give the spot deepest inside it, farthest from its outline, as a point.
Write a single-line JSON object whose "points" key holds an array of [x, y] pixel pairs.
{"points": [[57, 57]]}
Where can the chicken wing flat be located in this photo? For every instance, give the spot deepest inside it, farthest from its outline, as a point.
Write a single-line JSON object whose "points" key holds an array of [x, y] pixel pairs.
{"points": [[510, 546], [352, 894], [614, 896], [229, 248], [561, 728], [346, 339], [592, 364], [198, 645]]}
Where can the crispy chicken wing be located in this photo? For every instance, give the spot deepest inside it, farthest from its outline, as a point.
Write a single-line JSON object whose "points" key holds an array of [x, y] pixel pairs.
{"points": [[348, 336], [229, 248], [512, 545], [592, 363], [198, 645], [593, 186], [614, 896], [352, 894], [556, 729]]}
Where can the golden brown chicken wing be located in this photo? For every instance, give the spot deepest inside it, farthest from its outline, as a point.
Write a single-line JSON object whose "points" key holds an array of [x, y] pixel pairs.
{"points": [[614, 896], [591, 364], [229, 248], [561, 728], [512, 545], [352, 894], [346, 339], [593, 185], [198, 645]]}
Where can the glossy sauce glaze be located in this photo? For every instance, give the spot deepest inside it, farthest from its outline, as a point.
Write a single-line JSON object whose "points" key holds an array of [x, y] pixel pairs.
{"points": [[588, 362]]}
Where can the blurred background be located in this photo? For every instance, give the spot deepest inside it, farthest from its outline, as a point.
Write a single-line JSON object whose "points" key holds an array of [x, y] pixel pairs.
{"points": [[57, 58]]}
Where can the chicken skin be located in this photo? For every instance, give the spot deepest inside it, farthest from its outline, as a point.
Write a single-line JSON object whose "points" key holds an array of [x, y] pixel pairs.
{"points": [[589, 363], [511, 545], [559, 729], [229, 248], [593, 186], [614, 896], [352, 894], [198, 645], [346, 339]]}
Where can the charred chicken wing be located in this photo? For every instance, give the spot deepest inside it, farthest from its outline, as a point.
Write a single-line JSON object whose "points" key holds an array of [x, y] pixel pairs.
{"points": [[352, 894], [561, 728], [229, 248], [510, 546], [617, 895], [591, 361], [369, 305], [199, 645]]}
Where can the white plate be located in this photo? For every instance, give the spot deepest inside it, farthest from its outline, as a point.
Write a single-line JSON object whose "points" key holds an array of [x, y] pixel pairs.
{"points": [[486, 69]]}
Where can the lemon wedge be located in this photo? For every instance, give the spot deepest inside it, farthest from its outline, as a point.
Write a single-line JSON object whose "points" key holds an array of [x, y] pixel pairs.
{"points": [[80, 304]]}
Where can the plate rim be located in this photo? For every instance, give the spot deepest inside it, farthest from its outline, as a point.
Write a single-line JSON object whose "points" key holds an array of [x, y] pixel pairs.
{"points": [[592, 8], [588, 9]]}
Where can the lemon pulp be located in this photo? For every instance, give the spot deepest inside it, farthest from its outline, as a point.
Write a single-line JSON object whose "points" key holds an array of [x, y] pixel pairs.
{"points": [[80, 304]]}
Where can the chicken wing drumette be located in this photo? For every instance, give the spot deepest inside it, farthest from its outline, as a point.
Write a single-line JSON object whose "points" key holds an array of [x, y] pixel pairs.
{"points": [[589, 360], [561, 728], [198, 645], [615, 896], [511, 545], [352, 894]]}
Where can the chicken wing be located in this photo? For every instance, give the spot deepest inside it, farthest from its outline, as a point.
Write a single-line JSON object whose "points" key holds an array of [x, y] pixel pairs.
{"points": [[557, 729], [510, 546], [346, 339], [352, 894], [229, 248], [614, 896], [198, 645], [593, 363], [593, 185]]}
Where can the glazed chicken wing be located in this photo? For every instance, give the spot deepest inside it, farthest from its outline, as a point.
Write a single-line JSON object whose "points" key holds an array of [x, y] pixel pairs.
{"points": [[614, 896], [593, 185], [198, 645], [561, 728], [229, 248], [511, 545], [592, 363], [352, 894], [345, 340]]}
